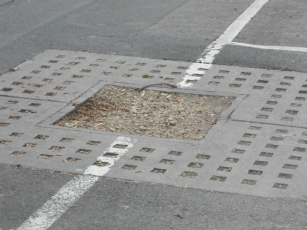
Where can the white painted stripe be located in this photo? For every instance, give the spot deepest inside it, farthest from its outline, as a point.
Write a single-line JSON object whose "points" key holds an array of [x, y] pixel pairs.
{"points": [[234, 29], [59, 203], [227, 37], [100, 171], [282, 48], [72, 191], [195, 68]]}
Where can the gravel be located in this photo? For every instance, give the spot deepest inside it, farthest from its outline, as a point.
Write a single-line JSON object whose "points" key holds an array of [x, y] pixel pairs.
{"points": [[148, 113]]}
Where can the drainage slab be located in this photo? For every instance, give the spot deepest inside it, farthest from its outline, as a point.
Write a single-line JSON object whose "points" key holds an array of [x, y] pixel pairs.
{"points": [[256, 147], [246, 158]]}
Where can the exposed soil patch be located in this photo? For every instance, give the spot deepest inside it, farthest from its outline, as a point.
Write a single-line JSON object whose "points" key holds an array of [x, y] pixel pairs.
{"points": [[148, 112]]}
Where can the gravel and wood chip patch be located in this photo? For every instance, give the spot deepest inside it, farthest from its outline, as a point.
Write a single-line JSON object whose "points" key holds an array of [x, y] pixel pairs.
{"points": [[148, 112]]}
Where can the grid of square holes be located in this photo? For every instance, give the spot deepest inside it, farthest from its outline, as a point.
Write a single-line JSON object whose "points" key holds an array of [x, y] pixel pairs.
{"points": [[23, 142], [167, 161], [61, 74], [296, 101], [49, 80], [57, 74], [265, 157], [49, 147], [25, 112], [190, 163], [251, 81], [281, 108]]}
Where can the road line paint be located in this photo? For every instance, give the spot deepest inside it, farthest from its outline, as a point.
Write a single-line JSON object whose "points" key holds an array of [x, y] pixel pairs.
{"points": [[282, 48], [100, 171], [195, 68], [235, 28], [58, 204], [227, 37]]}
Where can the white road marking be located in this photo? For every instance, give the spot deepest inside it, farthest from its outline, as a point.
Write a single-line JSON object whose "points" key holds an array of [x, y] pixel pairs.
{"points": [[227, 37], [58, 204], [100, 171], [282, 48]]}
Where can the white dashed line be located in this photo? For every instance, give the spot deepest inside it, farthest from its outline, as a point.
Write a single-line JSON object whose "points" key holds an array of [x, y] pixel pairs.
{"points": [[207, 58], [72, 191], [282, 48]]}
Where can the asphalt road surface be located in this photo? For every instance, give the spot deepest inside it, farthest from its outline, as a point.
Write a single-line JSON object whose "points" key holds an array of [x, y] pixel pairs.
{"points": [[179, 30]]}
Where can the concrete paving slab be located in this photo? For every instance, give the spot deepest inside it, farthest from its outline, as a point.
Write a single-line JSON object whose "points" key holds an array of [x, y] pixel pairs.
{"points": [[64, 76], [274, 97], [252, 81], [240, 157], [243, 153]]}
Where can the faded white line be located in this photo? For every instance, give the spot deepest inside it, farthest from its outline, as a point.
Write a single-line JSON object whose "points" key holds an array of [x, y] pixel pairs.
{"points": [[282, 48], [118, 152], [72, 191], [204, 63], [59, 203]]}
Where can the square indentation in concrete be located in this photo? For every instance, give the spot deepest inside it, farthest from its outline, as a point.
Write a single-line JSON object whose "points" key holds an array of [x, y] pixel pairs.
{"points": [[148, 113]]}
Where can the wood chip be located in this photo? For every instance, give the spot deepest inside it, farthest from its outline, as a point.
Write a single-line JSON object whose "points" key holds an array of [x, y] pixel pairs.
{"points": [[149, 112]]}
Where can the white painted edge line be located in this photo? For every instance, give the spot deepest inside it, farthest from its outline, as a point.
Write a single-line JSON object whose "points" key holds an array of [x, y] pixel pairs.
{"points": [[58, 204], [215, 48], [282, 48]]}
